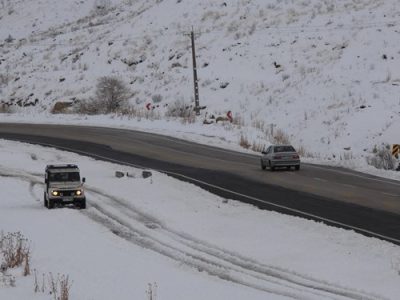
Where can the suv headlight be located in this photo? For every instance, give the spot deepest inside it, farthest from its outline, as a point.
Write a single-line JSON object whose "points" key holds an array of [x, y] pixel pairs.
{"points": [[78, 192], [55, 193]]}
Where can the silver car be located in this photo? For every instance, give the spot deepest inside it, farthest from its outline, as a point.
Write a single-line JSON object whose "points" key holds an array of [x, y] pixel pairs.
{"points": [[280, 156]]}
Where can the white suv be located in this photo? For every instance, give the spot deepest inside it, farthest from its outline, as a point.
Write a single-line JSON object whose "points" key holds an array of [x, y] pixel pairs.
{"points": [[63, 186]]}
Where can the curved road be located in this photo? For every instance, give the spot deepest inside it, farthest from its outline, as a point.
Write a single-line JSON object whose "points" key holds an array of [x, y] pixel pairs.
{"points": [[343, 198]]}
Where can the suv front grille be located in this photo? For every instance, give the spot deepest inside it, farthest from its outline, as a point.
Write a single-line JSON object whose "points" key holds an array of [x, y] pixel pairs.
{"points": [[67, 193]]}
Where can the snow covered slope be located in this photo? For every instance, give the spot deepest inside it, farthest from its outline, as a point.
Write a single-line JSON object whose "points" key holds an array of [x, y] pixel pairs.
{"points": [[326, 73]]}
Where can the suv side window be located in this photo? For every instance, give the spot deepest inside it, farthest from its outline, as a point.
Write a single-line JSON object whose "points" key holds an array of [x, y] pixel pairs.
{"points": [[268, 150]]}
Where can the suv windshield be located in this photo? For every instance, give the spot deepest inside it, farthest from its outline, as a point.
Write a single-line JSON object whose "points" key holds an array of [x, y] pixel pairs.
{"points": [[284, 149], [64, 176]]}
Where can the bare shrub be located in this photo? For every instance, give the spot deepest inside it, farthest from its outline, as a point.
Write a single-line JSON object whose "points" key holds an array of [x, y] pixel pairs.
{"points": [[151, 291], [4, 79], [15, 249], [87, 106], [7, 280], [244, 142], [238, 120], [132, 112], [259, 124], [111, 97], [61, 107], [258, 147], [157, 98], [382, 158], [180, 109], [348, 155], [6, 109], [280, 137], [111, 94], [27, 266], [58, 286], [303, 152], [65, 286], [36, 282]]}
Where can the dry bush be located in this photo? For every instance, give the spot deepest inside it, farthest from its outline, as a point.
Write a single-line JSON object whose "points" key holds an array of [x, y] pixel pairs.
{"points": [[59, 287], [348, 155], [259, 124], [4, 79], [27, 266], [6, 280], [6, 109], [180, 109], [303, 152], [87, 107], [152, 291], [258, 147], [61, 107], [244, 142], [382, 158], [238, 120], [281, 138], [111, 94], [132, 112], [14, 249]]}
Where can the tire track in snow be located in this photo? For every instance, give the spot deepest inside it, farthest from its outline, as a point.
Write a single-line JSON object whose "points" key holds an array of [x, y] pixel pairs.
{"points": [[128, 222], [145, 230], [31, 178]]}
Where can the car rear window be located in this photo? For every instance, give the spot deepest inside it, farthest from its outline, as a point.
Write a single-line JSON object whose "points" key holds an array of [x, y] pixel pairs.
{"points": [[284, 149]]}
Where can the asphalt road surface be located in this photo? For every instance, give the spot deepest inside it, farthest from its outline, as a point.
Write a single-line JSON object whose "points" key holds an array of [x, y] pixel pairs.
{"points": [[339, 197]]}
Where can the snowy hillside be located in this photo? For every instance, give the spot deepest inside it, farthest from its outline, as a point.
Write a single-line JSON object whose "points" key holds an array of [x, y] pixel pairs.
{"points": [[326, 73]]}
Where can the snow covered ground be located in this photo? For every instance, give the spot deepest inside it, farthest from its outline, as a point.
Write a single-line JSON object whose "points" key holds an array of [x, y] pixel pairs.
{"points": [[192, 244]]}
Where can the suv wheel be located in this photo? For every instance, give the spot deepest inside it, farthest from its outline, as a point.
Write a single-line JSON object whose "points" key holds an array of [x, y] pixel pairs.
{"points": [[297, 167], [82, 204], [50, 204]]}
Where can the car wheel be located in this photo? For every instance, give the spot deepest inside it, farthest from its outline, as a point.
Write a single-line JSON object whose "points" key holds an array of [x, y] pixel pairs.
{"points": [[263, 167], [297, 167], [44, 200], [271, 167]]}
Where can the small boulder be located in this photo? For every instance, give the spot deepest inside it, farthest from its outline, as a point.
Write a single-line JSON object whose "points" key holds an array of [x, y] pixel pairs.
{"points": [[146, 174], [119, 174]]}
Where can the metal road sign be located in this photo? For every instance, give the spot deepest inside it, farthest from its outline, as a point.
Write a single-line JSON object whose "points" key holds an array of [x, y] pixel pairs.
{"points": [[396, 150]]}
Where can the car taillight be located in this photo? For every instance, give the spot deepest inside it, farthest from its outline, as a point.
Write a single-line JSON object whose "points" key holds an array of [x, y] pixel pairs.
{"points": [[295, 156], [277, 157]]}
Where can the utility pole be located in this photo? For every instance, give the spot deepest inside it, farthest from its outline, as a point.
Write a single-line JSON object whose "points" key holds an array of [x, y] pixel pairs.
{"points": [[196, 83]]}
